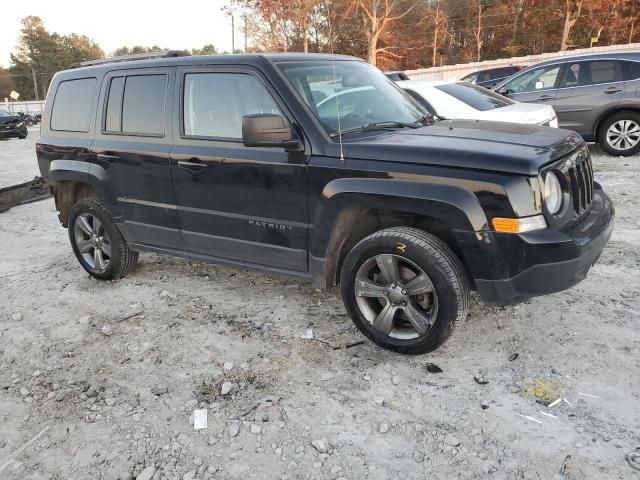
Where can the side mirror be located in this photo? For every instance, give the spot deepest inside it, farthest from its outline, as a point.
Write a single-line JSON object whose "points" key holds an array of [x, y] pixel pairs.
{"points": [[268, 130], [539, 85], [503, 91]]}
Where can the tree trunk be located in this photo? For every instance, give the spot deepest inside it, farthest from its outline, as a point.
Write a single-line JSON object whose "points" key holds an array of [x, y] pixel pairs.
{"points": [[631, 32], [569, 21], [479, 32], [36, 93], [435, 35], [372, 51]]}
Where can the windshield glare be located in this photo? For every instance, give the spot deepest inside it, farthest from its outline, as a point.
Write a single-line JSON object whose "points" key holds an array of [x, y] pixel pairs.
{"points": [[4, 113], [350, 94]]}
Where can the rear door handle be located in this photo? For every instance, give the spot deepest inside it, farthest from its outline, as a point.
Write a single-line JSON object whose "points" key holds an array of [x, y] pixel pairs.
{"points": [[611, 90], [544, 98]]}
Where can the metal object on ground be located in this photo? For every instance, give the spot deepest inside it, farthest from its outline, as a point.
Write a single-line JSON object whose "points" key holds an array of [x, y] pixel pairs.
{"points": [[36, 189], [634, 458]]}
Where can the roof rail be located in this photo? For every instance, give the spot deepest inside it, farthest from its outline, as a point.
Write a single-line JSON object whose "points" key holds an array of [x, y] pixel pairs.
{"points": [[134, 56]]}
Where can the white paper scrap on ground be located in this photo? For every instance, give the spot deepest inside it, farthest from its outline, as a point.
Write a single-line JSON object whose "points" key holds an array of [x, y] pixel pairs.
{"points": [[200, 419]]}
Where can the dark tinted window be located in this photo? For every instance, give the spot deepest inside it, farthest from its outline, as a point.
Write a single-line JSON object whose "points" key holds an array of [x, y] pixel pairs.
{"points": [[474, 96], [580, 74], [214, 103], [114, 105], [72, 105], [143, 104], [630, 70]]}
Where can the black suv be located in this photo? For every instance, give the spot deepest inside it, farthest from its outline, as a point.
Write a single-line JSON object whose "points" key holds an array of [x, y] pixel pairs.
{"points": [[320, 167]]}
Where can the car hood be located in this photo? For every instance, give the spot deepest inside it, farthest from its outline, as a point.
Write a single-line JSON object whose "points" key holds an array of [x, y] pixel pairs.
{"points": [[531, 113], [6, 120], [484, 145]]}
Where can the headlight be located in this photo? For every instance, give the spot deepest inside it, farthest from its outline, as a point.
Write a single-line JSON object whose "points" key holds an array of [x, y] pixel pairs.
{"points": [[552, 193]]}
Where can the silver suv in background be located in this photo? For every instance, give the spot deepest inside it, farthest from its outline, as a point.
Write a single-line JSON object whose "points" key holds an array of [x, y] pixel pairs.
{"points": [[596, 95]]}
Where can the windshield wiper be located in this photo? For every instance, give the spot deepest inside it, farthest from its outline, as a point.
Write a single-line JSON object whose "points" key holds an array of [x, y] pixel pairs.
{"points": [[370, 127]]}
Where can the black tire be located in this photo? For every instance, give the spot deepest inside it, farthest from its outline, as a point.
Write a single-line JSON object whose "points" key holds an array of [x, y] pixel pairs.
{"points": [[122, 259], [606, 142], [434, 258]]}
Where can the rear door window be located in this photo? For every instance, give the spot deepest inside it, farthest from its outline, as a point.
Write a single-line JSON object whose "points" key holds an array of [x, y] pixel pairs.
{"points": [[136, 105], [71, 111], [581, 74]]}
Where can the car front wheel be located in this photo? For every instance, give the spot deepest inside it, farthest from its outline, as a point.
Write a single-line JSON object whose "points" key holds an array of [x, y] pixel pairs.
{"points": [[404, 289], [620, 134]]}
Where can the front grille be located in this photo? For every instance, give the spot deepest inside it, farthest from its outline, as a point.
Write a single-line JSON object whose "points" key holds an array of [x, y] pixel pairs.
{"points": [[580, 176], [577, 172]]}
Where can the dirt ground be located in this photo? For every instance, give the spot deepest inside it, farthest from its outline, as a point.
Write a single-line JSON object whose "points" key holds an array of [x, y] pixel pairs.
{"points": [[100, 380]]}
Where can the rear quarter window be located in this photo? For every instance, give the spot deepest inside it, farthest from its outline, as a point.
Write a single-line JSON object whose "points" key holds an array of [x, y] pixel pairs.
{"points": [[71, 111], [630, 70]]}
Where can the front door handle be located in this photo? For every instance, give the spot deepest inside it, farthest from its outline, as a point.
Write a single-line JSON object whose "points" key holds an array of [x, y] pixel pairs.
{"points": [[108, 157], [545, 98], [611, 90], [187, 164]]}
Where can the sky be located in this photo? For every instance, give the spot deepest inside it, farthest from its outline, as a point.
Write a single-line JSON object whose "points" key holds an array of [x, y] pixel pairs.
{"points": [[174, 25]]}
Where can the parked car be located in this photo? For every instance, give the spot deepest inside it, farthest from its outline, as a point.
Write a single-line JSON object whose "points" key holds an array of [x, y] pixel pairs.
{"points": [[229, 159], [595, 94], [12, 126], [490, 77], [462, 100], [397, 76]]}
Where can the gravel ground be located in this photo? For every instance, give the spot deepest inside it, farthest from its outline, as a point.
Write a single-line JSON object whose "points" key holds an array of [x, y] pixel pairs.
{"points": [[100, 379], [17, 159]]}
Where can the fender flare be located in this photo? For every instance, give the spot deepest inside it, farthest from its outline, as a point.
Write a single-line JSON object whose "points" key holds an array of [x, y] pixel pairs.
{"points": [[453, 205], [82, 172]]}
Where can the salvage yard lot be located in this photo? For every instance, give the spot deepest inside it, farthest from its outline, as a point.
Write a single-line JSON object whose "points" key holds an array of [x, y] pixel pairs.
{"points": [[106, 375]]}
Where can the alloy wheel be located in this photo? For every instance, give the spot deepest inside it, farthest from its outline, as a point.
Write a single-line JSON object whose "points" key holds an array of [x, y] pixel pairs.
{"points": [[396, 296], [623, 135], [92, 242]]}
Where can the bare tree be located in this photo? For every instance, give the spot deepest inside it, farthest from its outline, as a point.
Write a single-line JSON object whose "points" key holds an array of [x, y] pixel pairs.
{"points": [[377, 15], [572, 11]]}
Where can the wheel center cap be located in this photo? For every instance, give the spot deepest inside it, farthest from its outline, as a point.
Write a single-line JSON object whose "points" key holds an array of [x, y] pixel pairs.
{"points": [[397, 294], [95, 241]]}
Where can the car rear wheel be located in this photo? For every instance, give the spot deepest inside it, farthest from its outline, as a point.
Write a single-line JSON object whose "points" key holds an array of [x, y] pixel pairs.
{"points": [[404, 289], [619, 135], [96, 241]]}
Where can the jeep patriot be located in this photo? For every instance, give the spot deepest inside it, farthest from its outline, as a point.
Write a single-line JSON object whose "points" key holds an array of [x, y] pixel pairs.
{"points": [[318, 166]]}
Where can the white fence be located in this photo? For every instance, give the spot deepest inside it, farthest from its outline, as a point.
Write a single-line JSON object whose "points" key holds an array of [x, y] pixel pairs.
{"points": [[25, 107], [454, 72]]}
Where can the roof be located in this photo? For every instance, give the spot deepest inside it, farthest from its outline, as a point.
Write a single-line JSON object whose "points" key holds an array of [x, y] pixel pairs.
{"points": [[635, 54], [236, 58], [424, 83]]}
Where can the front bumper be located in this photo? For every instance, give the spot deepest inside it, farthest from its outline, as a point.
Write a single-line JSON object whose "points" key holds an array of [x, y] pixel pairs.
{"points": [[13, 132], [546, 261]]}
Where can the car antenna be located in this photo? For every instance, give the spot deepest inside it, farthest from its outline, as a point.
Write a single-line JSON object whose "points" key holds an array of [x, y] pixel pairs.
{"points": [[335, 81]]}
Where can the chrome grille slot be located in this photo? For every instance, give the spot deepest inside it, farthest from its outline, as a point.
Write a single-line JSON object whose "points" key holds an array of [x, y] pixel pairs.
{"points": [[581, 179], [578, 176]]}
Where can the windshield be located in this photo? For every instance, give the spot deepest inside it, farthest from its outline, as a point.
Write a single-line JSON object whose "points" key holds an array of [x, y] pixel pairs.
{"points": [[4, 113], [347, 95], [476, 97]]}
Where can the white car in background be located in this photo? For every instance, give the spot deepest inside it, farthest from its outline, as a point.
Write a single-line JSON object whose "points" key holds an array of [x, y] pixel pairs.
{"points": [[465, 101]]}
